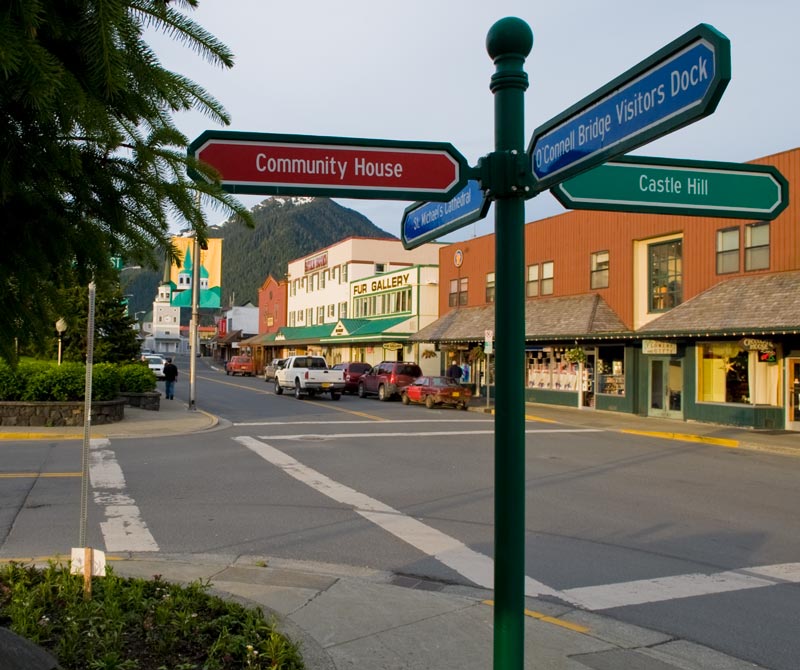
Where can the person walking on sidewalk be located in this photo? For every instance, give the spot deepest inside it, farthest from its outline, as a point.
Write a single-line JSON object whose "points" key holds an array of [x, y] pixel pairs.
{"points": [[455, 371], [170, 377]]}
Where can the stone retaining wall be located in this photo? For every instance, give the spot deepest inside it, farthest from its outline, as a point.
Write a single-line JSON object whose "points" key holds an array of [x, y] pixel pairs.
{"points": [[150, 400], [59, 413]]}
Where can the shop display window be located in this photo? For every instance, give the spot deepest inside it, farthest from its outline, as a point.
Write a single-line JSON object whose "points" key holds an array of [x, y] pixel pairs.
{"points": [[727, 372], [611, 370], [551, 371]]}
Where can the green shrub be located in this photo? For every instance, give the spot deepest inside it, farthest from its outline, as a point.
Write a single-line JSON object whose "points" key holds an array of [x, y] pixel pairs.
{"points": [[36, 379], [137, 623], [105, 381], [43, 381], [67, 382], [10, 383], [136, 378]]}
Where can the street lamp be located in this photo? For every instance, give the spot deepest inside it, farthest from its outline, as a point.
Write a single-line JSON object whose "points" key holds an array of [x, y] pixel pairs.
{"points": [[61, 326]]}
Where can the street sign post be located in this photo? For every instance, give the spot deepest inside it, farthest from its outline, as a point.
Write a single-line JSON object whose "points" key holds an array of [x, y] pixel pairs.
{"points": [[425, 221], [338, 167], [675, 86], [673, 186], [679, 84]]}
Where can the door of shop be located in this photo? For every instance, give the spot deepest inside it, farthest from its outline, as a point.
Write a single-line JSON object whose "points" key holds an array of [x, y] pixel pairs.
{"points": [[793, 394], [666, 388]]}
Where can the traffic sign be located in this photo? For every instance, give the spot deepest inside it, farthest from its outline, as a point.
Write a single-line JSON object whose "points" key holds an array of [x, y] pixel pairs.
{"points": [[670, 186], [425, 221], [679, 84], [340, 167]]}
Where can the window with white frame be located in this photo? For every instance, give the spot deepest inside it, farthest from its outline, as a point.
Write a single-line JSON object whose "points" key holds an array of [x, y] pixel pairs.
{"points": [[728, 250], [756, 246], [532, 284], [599, 270], [548, 269], [490, 287]]}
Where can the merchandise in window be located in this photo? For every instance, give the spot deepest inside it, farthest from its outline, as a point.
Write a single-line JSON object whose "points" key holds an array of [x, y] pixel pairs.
{"points": [[729, 373]]}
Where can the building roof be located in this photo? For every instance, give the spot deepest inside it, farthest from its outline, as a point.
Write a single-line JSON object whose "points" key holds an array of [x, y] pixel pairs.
{"points": [[367, 329], [303, 334], [262, 339], [756, 304], [566, 318]]}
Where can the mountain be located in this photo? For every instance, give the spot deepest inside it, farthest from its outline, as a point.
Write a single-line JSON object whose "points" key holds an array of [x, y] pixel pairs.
{"points": [[286, 229]]}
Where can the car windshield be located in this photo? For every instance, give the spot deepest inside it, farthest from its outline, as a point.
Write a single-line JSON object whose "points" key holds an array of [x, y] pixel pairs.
{"points": [[442, 381]]}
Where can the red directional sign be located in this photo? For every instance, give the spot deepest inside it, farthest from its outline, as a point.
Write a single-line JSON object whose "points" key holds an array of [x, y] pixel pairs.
{"points": [[270, 164]]}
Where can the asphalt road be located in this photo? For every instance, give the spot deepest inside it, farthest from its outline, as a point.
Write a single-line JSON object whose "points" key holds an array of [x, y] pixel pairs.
{"points": [[690, 539]]}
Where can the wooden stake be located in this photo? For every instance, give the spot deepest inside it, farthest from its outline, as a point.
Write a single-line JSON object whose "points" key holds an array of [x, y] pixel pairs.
{"points": [[88, 559]]}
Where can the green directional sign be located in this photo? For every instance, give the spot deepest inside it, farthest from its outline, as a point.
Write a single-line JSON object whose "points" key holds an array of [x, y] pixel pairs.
{"points": [[673, 186]]}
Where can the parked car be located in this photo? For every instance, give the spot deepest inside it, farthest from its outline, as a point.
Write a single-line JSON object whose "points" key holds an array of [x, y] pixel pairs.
{"points": [[240, 365], [352, 373], [388, 379], [156, 363], [435, 390], [274, 365]]}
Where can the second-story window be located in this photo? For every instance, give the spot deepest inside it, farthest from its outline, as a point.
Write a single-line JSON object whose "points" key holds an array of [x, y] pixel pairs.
{"points": [[727, 250], [756, 246], [458, 292], [490, 287], [665, 275], [321, 315], [532, 284], [599, 271], [548, 269]]}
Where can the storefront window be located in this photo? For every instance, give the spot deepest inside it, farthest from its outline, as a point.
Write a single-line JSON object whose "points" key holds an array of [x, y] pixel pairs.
{"points": [[744, 372], [550, 370], [611, 370]]}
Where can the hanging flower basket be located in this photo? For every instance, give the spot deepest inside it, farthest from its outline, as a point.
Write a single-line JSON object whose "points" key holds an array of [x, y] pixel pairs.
{"points": [[575, 355], [428, 353], [476, 354]]}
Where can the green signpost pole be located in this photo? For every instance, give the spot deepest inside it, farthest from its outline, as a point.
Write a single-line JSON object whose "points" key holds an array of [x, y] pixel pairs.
{"points": [[504, 177]]}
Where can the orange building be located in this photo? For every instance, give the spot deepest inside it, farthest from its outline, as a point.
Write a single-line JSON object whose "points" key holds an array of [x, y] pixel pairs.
{"points": [[693, 318]]}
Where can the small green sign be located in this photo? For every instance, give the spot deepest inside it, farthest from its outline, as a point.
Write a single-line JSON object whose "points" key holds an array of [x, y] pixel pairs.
{"points": [[670, 186]]}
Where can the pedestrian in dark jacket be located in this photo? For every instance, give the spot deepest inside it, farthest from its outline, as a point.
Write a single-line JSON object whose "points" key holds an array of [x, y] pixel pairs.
{"points": [[455, 371], [170, 377]]}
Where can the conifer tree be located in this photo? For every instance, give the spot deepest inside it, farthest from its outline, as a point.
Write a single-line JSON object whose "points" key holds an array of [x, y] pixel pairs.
{"points": [[92, 164]]}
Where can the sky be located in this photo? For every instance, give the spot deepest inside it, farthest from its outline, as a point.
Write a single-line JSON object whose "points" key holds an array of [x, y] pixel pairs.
{"points": [[418, 70]]}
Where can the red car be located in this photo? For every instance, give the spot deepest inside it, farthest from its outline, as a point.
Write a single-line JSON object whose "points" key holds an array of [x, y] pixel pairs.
{"points": [[240, 365], [437, 391]]}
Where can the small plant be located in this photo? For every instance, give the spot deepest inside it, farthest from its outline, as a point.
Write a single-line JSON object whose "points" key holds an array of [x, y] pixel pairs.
{"points": [[575, 355], [137, 624], [476, 354], [428, 353]]}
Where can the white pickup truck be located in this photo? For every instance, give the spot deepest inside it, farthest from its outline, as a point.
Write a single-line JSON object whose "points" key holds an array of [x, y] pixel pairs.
{"points": [[309, 375]]}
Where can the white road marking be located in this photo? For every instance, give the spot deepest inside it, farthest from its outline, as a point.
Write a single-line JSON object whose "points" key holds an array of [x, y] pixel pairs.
{"points": [[331, 436], [359, 421], [451, 552], [479, 568], [124, 529], [660, 589]]}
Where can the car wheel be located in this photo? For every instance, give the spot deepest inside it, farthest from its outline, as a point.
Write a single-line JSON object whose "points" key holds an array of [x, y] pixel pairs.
{"points": [[406, 400], [335, 395], [278, 388], [464, 406], [429, 402], [298, 392], [382, 393], [362, 392], [227, 373]]}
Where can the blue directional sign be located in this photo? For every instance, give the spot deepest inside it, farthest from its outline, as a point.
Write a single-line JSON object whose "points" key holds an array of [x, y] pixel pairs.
{"points": [[426, 221], [677, 85]]}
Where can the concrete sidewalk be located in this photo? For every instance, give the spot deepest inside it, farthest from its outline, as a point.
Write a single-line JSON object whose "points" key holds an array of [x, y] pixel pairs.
{"points": [[348, 618], [353, 618]]}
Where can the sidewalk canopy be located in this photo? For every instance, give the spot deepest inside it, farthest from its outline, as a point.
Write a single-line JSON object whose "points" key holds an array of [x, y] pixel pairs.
{"points": [[567, 318]]}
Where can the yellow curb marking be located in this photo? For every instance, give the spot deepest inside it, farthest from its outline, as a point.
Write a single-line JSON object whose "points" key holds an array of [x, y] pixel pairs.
{"points": [[686, 437], [548, 619], [36, 475], [531, 417], [45, 436]]}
